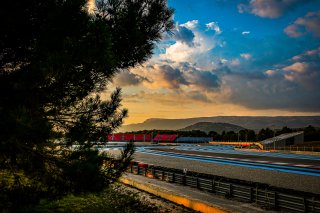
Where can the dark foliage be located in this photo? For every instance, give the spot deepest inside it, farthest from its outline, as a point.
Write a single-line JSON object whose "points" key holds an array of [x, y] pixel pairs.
{"points": [[55, 59], [310, 134]]}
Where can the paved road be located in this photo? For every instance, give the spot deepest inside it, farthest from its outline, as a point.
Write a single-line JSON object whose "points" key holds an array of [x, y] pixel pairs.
{"points": [[278, 178], [290, 163], [254, 156], [216, 163]]}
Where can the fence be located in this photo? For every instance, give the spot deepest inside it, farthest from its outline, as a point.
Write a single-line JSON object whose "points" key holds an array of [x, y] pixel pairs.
{"points": [[297, 148], [270, 199]]}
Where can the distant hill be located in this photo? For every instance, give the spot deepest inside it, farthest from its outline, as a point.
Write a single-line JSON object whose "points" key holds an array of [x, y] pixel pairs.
{"points": [[248, 122], [209, 126]]}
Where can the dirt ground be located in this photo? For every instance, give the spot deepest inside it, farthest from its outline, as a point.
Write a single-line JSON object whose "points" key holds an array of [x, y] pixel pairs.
{"points": [[157, 204]]}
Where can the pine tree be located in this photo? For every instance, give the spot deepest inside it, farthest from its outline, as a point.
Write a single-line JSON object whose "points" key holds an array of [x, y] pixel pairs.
{"points": [[56, 58]]}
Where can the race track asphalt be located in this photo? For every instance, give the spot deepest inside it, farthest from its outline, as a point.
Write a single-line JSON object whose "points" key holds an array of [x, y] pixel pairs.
{"points": [[293, 181]]}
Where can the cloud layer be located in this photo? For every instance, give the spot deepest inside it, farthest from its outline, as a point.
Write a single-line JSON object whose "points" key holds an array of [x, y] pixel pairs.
{"points": [[310, 23], [203, 66], [269, 8]]}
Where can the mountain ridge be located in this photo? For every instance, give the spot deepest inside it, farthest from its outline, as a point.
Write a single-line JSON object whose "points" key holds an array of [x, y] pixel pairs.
{"points": [[210, 126], [248, 122]]}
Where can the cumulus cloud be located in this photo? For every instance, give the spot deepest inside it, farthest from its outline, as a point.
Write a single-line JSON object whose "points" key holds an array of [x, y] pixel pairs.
{"points": [[203, 80], [161, 75], [201, 65], [184, 35], [310, 23], [304, 70], [246, 56], [272, 93], [214, 26], [299, 67], [126, 78], [290, 85], [269, 8], [180, 76], [308, 55], [294, 31], [270, 72], [198, 96], [199, 52], [174, 77], [190, 24], [235, 62]]}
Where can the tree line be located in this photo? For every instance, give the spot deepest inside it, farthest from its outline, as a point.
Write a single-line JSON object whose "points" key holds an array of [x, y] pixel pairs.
{"points": [[310, 134]]}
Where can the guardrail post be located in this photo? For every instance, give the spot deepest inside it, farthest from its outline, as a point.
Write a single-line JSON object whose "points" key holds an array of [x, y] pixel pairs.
{"points": [[304, 204], [275, 200], [230, 190], [138, 168], [213, 185], [251, 194], [184, 179], [145, 171], [312, 204], [197, 183], [131, 168]]}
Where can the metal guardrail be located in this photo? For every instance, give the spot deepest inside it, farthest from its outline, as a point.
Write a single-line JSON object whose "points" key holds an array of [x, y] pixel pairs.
{"points": [[296, 148], [269, 199]]}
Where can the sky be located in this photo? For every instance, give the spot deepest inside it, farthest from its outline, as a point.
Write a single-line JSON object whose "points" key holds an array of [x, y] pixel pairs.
{"points": [[230, 57]]}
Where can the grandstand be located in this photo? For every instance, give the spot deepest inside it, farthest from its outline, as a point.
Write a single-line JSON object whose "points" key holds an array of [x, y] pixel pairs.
{"points": [[283, 140], [129, 137], [164, 138]]}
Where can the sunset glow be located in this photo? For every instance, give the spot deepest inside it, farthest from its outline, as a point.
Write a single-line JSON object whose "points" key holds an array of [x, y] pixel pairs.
{"points": [[258, 57]]}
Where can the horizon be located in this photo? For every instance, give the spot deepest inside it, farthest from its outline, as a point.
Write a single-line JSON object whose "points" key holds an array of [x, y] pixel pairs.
{"points": [[219, 116], [230, 58]]}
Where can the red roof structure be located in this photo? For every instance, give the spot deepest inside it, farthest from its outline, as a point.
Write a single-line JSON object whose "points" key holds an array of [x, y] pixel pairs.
{"points": [[129, 137], [164, 138]]}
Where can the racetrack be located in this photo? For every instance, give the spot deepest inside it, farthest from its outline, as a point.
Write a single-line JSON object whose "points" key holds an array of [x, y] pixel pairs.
{"points": [[292, 171], [306, 165]]}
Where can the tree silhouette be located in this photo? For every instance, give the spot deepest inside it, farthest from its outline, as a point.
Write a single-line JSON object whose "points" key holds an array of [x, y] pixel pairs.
{"points": [[56, 59]]}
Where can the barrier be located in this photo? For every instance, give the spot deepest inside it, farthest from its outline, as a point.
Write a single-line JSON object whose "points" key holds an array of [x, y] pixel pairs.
{"points": [[275, 199]]}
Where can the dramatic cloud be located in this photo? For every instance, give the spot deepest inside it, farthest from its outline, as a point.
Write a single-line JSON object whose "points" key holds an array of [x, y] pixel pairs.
{"points": [[199, 52], [126, 78], [201, 80], [178, 76], [161, 76], [310, 23], [299, 67], [184, 35], [291, 86], [174, 77], [305, 70], [269, 8], [205, 67], [198, 96]]}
